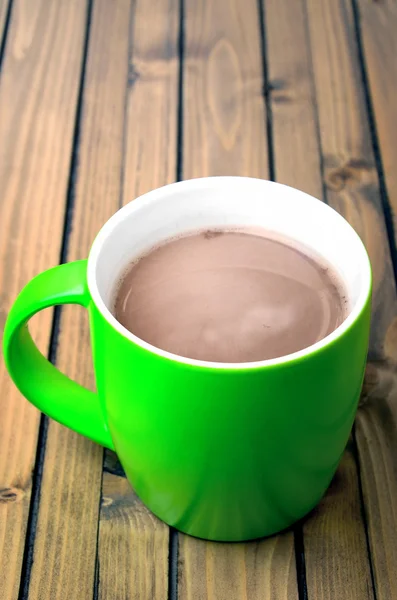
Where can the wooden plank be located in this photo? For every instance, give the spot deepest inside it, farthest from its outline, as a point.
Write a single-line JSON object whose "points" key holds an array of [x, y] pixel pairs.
{"points": [[66, 537], [133, 544], [335, 547], [38, 95], [376, 427], [152, 100], [376, 434], [378, 22], [296, 144], [353, 189], [3, 15], [224, 117], [349, 168], [225, 133], [257, 570]]}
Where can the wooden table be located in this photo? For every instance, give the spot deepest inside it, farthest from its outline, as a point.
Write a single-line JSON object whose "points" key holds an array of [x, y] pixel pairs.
{"points": [[102, 100]]}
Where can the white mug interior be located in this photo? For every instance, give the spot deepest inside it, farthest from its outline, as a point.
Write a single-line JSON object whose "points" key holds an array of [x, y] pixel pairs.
{"points": [[227, 202]]}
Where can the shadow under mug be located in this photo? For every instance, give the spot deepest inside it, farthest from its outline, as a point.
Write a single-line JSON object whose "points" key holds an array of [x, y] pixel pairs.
{"points": [[220, 451]]}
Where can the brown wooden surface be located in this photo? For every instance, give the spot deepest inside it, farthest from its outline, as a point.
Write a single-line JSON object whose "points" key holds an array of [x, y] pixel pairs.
{"points": [[293, 105], [376, 425], [334, 537], [151, 127], [295, 135], [133, 544], [72, 470], [3, 15], [378, 22], [225, 133], [257, 570], [353, 189], [38, 92], [350, 175], [224, 115]]}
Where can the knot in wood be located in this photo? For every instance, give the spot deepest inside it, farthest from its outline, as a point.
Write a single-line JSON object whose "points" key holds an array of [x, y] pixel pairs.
{"points": [[11, 494], [351, 173]]}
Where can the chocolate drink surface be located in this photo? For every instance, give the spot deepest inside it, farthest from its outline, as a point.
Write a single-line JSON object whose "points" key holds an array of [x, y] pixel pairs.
{"points": [[230, 296]]}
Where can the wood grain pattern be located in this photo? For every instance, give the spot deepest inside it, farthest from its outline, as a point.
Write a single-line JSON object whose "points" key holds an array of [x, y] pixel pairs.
{"points": [[296, 145], [378, 22], [349, 169], [3, 13], [66, 537], [353, 189], [336, 554], [225, 133], [257, 570], [128, 145], [334, 535], [152, 100], [376, 435], [376, 425], [133, 544], [224, 117], [38, 94]]}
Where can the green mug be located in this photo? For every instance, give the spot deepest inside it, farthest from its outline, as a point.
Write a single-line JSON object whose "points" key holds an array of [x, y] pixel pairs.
{"points": [[225, 452]]}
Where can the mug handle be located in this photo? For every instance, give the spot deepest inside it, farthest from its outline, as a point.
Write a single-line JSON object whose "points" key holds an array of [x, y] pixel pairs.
{"points": [[43, 385]]}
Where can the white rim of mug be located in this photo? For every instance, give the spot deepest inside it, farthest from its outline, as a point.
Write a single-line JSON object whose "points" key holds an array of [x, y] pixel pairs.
{"points": [[110, 225]]}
